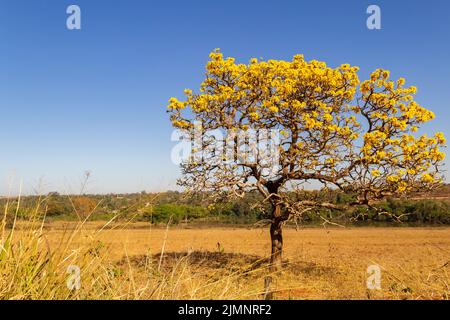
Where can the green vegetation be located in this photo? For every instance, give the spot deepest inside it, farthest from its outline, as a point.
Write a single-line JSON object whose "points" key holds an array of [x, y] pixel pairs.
{"points": [[179, 208]]}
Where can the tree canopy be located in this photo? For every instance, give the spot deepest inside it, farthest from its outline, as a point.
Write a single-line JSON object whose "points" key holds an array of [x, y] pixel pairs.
{"points": [[356, 136]]}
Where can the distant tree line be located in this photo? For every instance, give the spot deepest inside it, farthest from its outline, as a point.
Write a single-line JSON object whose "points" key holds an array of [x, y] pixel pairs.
{"points": [[178, 207]]}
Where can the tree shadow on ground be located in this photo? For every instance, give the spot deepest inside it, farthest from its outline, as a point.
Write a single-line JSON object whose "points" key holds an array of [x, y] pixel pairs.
{"points": [[215, 260]]}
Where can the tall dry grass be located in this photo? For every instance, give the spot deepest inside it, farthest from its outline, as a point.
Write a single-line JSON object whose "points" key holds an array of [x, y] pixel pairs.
{"points": [[31, 268]]}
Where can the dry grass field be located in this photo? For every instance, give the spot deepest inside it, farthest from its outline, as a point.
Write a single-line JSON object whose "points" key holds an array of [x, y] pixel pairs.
{"points": [[137, 261]]}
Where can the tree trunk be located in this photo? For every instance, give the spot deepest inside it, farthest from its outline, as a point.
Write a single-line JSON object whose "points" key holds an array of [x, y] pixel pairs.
{"points": [[276, 237]]}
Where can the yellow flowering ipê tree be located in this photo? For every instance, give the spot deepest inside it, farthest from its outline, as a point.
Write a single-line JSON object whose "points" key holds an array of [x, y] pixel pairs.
{"points": [[358, 137]]}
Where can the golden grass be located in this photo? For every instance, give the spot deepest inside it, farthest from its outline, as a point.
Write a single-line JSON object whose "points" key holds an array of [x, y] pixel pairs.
{"points": [[137, 261]]}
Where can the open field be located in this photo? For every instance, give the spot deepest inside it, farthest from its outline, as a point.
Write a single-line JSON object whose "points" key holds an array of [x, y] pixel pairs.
{"points": [[211, 263]]}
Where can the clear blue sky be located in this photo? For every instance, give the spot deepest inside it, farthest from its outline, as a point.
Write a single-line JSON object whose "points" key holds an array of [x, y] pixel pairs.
{"points": [[95, 99]]}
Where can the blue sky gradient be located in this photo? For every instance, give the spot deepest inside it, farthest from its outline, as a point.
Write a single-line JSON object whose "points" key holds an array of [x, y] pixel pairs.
{"points": [[95, 99]]}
